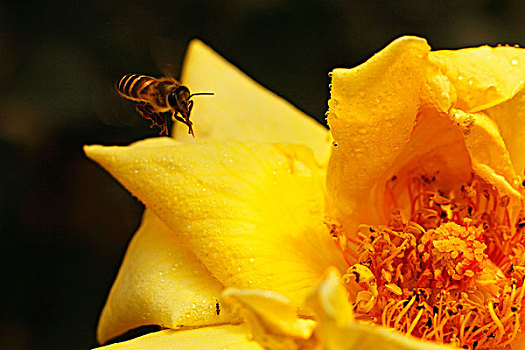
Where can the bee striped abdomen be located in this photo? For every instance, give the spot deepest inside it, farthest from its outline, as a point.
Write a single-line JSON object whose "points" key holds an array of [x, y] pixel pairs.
{"points": [[134, 86]]}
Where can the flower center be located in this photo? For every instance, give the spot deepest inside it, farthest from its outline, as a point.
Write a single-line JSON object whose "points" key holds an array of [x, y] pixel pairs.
{"points": [[452, 272]]}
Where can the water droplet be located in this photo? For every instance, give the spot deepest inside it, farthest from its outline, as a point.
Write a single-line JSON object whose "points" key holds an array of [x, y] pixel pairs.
{"points": [[330, 74], [204, 190], [334, 144], [330, 86], [514, 61], [471, 81], [136, 171], [460, 77]]}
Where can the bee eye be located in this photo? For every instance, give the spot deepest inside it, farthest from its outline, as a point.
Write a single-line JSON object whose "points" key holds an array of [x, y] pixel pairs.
{"points": [[172, 99]]}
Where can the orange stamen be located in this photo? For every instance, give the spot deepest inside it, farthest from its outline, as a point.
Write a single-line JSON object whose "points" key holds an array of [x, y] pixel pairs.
{"points": [[453, 272]]}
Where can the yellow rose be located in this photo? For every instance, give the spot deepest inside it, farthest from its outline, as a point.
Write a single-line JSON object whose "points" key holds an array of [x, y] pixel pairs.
{"points": [[419, 208]]}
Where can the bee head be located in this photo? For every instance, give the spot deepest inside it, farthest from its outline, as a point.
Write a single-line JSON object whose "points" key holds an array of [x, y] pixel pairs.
{"points": [[179, 100]]}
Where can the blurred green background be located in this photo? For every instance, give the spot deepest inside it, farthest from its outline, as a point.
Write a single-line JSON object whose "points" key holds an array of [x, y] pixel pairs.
{"points": [[64, 222]]}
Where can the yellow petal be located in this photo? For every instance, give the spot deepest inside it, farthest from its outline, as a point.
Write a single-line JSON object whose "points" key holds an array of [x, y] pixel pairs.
{"points": [[251, 213], [208, 338], [160, 283], [510, 118], [241, 109], [488, 153], [271, 317], [482, 76], [362, 337], [338, 331], [372, 113], [330, 302]]}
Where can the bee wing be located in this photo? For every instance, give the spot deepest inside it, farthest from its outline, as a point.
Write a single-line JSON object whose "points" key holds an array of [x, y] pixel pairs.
{"points": [[167, 69], [167, 54]]}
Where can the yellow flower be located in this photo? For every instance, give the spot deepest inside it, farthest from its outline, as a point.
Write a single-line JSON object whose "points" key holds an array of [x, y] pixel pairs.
{"points": [[419, 207]]}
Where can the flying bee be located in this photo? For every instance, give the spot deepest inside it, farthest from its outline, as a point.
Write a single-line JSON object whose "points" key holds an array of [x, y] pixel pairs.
{"points": [[159, 99]]}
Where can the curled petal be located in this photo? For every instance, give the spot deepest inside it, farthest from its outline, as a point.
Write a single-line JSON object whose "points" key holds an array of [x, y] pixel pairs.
{"points": [[272, 318], [207, 338], [488, 152], [398, 116], [160, 282], [251, 213], [373, 110], [482, 76], [510, 118], [330, 302], [241, 109]]}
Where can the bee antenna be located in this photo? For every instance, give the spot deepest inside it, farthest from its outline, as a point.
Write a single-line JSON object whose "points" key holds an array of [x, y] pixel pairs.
{"points": [[202, 93]]}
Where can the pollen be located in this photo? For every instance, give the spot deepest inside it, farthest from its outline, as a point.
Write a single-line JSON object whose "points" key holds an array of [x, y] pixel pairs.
{"points": [[447, 267]]}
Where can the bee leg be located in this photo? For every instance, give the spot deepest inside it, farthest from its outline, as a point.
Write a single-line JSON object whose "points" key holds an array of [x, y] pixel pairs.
{"points": [[157, 119], [188, 122], [165, 116], [179, 118], [185, 122], [190, 128], [145, 110]]}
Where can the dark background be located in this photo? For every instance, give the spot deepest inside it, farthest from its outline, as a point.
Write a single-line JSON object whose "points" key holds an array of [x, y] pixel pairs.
{"points": [[64, 222]]}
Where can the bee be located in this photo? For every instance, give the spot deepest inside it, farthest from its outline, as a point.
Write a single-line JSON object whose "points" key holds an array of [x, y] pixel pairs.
{"points": [[159, 99]]}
